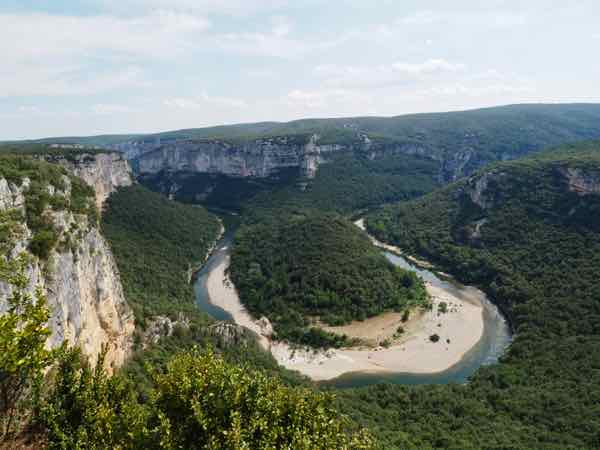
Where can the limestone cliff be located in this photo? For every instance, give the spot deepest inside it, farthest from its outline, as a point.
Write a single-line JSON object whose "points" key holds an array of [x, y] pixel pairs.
{"points": [[262, 157], [583, 182], [78, 273], [257, 158], [105, 172]]}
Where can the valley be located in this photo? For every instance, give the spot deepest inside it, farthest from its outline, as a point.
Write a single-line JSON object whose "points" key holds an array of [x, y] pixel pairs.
{"points": [[470, 316], [389, 294]]}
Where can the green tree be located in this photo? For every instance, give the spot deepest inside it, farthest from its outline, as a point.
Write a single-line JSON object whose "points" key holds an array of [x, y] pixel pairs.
{"points": [[85, 408], [203, 402], [23, 335]]}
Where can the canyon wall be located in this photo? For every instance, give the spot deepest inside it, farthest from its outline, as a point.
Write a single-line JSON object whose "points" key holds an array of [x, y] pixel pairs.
{"points": [[79, 275], [105, 172]]}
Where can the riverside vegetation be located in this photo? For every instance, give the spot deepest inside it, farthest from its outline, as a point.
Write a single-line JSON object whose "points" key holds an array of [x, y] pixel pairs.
{"points": [[537, 255], [144, 405], [297, 268], [543, 394]]}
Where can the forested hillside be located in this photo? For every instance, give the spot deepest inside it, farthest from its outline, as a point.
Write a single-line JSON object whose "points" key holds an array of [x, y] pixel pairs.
{"points": [[460, 142], [546, 124], [201, 385], [527, 232], [349, 182], [156, 243], [298, 267]]}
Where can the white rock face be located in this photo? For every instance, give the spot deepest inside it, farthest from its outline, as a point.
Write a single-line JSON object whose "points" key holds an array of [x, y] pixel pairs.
{"points": [[256, 158], [81, 282], [581, 182], [105, 172]]}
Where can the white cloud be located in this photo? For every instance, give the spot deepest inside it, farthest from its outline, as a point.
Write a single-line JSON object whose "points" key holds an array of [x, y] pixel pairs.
{"points": [[385, 75], [204, 101], [428, 67], [276, 40], [476, 90], [111, 108], [214, 7], [47, 54], [281, 26], [27, 37], [47, 81], [465, 18], [316, 99]]}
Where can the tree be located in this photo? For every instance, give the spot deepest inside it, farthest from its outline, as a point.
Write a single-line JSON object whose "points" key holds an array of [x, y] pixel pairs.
{"points": [[23, 334], [203, 402], [85, 408]]}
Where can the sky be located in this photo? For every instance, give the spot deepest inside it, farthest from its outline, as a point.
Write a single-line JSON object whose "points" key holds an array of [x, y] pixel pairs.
{"points": [[134, 66]]}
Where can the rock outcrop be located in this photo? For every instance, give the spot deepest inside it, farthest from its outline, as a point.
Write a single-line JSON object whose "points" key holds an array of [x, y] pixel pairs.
{"points": [[476, 188], [162, 326], [229, 334], [580, 181], [257, 158], [105, 172], [79, 276]]}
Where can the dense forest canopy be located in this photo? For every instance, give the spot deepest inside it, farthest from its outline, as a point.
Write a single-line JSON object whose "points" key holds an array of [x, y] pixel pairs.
{"points": [[350, 181], [526, 232], [513, 129], [296, 268], [156, 244]]}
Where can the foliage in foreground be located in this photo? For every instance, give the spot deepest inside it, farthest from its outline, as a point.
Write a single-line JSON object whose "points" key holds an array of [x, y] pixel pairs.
{"points": [[199, 402], [23, 356]]}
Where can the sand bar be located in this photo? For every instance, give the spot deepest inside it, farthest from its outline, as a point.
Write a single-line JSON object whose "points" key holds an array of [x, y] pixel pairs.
{"points": [[414, 352]]}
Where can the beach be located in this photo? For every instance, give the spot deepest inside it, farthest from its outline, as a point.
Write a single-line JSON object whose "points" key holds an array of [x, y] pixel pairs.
{"points": [[459, 329]]}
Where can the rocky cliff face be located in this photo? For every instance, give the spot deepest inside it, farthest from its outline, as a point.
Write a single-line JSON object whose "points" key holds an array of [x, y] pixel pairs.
{"points": [[79, 276], [258, 158], [581, 181], [477, 188], [105, 172], [262, 157]]}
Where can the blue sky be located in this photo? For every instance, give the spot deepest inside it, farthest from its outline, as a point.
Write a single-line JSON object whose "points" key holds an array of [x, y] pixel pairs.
{"points": [[117, 66]]}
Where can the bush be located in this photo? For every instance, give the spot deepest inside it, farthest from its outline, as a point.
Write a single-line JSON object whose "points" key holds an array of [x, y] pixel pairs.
{"points": [[198, 402], [202, 402], [43, 242], [23, 356]]}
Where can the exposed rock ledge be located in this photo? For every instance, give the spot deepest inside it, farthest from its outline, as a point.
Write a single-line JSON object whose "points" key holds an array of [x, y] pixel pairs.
{"points": [[105, 172], [80, 279], [581, 182]]}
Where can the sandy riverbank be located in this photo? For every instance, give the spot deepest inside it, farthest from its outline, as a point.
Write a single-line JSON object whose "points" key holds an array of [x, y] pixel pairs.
{"points": [[414, 352]]}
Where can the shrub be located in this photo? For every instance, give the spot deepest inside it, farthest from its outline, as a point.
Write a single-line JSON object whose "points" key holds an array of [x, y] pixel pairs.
{"points": [[43, 242], [203, 402], [23, 356]]}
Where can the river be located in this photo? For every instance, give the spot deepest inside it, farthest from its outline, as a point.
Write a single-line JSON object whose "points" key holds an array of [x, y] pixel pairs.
{"points": [[495, 338]]}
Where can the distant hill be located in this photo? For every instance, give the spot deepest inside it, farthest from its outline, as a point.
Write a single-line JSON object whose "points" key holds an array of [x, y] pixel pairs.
{"points": [[460, 141]]}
